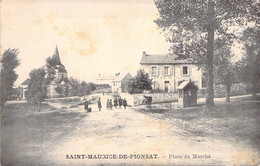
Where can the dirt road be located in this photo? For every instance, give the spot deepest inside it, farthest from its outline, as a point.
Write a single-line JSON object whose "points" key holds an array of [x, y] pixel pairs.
{"points": [[129, 132], [225, 135]]}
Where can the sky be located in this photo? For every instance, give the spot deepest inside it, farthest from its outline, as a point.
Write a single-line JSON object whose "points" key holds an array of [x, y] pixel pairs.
{"points": [[93, 37]]}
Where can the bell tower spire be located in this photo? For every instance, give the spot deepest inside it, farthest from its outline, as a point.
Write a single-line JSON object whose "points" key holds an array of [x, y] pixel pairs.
{"points": [[57, 55]]}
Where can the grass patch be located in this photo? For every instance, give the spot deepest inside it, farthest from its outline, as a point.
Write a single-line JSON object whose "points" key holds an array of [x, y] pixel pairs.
{"points": [[237, 121], [25, 131]]}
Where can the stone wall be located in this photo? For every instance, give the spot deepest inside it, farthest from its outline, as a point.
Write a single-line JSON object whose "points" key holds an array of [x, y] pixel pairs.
{"points": [[156, 97]]}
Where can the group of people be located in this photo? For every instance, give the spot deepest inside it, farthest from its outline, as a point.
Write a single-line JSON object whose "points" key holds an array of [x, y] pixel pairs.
{"points": [[117, 102]]}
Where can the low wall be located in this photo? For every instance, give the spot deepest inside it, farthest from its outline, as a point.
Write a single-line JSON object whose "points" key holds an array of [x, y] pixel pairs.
{"points": [[156, 97]]}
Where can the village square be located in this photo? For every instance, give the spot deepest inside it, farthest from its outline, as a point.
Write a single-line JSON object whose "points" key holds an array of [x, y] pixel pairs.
{"points": [[191, 105]]}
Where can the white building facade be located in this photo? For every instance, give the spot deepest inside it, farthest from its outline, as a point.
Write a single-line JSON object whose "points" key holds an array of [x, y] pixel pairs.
{"points": [[167, 73], [120, 83]]}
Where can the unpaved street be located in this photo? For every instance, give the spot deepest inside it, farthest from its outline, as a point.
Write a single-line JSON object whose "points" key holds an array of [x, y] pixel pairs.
{"points": [[129, 132], [225, 135]]}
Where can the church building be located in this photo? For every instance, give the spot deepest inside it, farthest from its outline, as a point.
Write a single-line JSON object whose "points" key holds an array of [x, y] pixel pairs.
{"points": [[61, 77]]}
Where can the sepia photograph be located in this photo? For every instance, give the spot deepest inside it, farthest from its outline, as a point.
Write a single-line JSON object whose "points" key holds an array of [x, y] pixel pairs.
{"points": [[130, 82]]}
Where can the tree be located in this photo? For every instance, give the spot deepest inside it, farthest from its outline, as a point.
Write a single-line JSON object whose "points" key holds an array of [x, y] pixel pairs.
{"points": [[92, 86], [192, 25], [37, 88], [75, 86], [140, 82], [225, 71], [51, 63], [86, 88], [9, 62], [251, 60], [64, 90]]}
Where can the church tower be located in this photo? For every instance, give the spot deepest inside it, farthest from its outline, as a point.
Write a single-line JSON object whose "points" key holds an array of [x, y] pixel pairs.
{"points": [[60, 68], [61, 75]]}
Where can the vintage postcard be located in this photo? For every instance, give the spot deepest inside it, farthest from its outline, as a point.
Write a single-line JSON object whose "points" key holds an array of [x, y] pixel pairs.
{"points": [[130, 82]]}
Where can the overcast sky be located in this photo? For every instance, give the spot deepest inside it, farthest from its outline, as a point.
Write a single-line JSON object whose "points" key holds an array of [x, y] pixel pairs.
{"points": [[99, 37]]}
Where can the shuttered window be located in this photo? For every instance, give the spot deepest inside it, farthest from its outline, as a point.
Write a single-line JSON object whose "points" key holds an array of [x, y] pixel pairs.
{"points": [[185, 70], [166, 70], [154, 70]]}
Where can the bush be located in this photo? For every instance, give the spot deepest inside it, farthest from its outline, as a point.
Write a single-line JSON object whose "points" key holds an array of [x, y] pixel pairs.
{"points": [[157, 91], [236, 90]]}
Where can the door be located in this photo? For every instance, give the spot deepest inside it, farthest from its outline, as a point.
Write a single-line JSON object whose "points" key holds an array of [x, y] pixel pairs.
{"points": [[166, 86], [189, 98]]}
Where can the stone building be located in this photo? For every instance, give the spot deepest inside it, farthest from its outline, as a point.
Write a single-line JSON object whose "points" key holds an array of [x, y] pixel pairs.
{"points": [[120, 83], [167, 72]]}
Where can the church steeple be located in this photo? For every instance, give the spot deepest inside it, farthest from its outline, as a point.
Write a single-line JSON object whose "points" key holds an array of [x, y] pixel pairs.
{"points": [[57, 56]]}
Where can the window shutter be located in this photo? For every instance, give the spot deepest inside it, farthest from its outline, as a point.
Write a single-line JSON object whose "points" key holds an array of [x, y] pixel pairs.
{"points": [[150, 70], [190, 70], [181, 70], [163, 72], [157, 70], [170, 70]]}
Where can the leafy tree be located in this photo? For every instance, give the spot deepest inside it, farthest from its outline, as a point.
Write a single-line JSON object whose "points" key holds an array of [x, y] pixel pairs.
{"points": [[225, 71], [92, 86], [64, 90], [9, 62], [37, 88], [85, 88], [140, 82], [75, 86], [51, 63], [251, 61], [192, 25]]}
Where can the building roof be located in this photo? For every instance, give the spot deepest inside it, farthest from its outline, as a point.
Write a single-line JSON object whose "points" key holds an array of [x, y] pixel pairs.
{"points": [[56, 55], [26, 82], [185, 84], [161, 59], [62, 69], [122, 76], [57, 80]]}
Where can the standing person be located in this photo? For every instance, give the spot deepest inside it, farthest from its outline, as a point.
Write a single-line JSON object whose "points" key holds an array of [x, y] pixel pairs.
{"points": [[110, 104], [99, 104], [115, 103], [86, 105], [120, 103], [124, 103]]}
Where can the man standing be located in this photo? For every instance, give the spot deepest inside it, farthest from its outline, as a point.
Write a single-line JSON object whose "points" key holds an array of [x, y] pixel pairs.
{"points": [[120, 103], [86, 106], [115, 103], [124, 103], [99, 104]]}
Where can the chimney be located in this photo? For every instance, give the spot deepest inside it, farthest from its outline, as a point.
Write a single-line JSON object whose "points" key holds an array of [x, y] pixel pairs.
{"points": [[144, 53]]}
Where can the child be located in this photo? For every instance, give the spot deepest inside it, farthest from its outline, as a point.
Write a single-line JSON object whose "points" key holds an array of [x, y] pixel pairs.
{"points": [[86, 106]]}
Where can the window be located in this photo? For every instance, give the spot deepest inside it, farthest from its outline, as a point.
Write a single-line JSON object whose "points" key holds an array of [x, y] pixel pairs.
{"points": [[166, 70], [185, 70], [154, 70]]}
